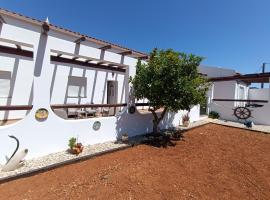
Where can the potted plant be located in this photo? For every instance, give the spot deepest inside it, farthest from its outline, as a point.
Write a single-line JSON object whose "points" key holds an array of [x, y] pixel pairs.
{"points": [[249, 124], [124, 138], [74, 146], [185, 120]]}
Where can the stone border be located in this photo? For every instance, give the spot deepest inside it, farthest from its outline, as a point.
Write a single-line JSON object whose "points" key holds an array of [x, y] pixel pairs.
{"points": [[194, 125], [240, 126]]}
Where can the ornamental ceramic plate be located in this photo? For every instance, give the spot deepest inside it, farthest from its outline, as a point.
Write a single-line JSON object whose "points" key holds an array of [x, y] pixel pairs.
{"points": [[42, 114], [132, 109], [96, 125]]}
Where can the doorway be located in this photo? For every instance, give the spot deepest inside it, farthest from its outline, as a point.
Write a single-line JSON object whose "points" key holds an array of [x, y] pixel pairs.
{"points": [[112, 96], [112, 88]]}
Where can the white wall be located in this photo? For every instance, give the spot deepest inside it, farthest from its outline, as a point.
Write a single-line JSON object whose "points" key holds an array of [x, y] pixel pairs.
{"points": [[52, 135], [21, 84], [230, 90], [219, 90], [259, 94], [223, 90], [227, 90], [51, 78]]}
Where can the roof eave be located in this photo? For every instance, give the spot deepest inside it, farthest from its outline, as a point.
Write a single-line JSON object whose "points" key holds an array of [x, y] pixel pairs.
{"points": [[119, 48]]}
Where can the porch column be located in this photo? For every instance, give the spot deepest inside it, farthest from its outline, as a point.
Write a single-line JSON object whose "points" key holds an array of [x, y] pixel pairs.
{"points": [[210, 98], [41, 95], [126, 82], [126, 79], [269, 92]]}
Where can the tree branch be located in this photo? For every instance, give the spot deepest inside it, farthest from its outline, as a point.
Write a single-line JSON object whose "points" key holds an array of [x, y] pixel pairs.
{"points": [[153, 111], [162, 114]]}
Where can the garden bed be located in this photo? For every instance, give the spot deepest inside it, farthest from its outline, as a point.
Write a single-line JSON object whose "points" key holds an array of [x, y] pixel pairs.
{"points": [[211, 162]]}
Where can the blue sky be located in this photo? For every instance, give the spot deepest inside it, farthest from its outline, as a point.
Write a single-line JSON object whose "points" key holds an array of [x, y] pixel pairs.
{"points": [[228, 33]]}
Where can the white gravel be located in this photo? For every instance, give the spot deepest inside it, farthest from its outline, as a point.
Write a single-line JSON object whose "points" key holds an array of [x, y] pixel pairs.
{"points": [[57, 158]]}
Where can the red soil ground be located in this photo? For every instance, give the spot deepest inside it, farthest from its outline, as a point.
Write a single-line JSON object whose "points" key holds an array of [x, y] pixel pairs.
{"points": [[213, 162]]}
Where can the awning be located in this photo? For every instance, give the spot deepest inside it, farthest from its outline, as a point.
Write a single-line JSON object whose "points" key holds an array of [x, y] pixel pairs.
{"points": [[76, 59], [248, 78], [14, 47]]}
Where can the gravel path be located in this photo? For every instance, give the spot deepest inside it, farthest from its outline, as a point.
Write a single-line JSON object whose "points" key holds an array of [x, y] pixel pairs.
{"points": [[54, 159]]}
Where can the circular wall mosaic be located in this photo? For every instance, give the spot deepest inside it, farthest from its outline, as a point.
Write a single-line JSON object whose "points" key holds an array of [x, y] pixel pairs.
{"points": [[96, 125], [42, 114]]}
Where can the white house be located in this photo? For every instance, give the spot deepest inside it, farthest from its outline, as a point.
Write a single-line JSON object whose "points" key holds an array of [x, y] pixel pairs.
{"points": [[232, 97], [48, 70]]}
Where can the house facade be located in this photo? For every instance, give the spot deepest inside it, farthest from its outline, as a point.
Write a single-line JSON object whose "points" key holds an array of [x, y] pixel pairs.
{"points": [[230, 91], [52, 72]]}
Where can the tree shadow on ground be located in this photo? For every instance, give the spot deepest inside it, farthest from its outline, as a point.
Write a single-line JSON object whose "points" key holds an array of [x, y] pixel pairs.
{"points": [[166, 138]]}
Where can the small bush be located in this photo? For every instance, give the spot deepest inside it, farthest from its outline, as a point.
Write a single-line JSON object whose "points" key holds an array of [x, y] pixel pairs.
{"points": [[72, 142], [213, 115]]}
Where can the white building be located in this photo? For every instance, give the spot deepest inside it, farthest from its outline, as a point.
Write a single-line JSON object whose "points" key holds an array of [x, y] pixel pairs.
{"points": [[231, 90], [50, 68]]}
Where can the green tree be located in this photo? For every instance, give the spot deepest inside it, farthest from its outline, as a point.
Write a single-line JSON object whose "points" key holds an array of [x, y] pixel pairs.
{"points": [[169, 80]]}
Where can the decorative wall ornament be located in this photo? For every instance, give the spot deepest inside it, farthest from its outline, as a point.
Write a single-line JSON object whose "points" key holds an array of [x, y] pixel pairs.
{"points": [[131, 102], [42, 114], [15, 160], [242, 113], [96, 125], [132, 109]]}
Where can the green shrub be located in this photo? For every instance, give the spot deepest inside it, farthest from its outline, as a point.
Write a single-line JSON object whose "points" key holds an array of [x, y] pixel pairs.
{"points": [[72, 142], [213, 115]]}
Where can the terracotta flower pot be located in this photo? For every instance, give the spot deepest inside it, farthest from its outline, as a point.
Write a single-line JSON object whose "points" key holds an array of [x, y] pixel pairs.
{"points": [[77, 149], [185, 123]]}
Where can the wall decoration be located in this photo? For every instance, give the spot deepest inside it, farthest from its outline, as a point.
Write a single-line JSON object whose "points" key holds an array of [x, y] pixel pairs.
{"points": [[132, 109], [96, 125], [42, 114]]}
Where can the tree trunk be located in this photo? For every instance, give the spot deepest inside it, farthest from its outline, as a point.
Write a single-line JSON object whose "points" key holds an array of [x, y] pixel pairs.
{"points": [[157, 119], [155, 127]]}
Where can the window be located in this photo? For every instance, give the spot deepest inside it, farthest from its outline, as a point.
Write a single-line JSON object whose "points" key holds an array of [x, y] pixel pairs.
{"points": [[241, 95], [5, 79], [77, 86], [241, 92]]}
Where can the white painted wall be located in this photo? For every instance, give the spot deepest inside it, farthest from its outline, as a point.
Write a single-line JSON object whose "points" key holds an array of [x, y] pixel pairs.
{"points": [[51, 78], [21, 84], [230, 90], [259, 94]]}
